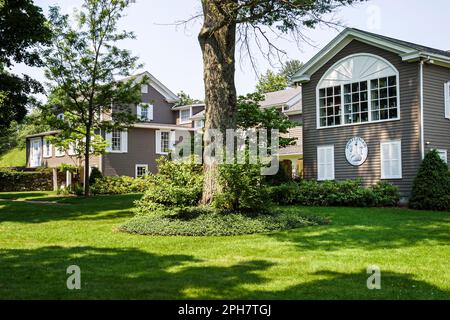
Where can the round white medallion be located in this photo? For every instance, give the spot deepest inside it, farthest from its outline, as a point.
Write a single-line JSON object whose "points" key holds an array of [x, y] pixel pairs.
{"points": [[356, 151]]}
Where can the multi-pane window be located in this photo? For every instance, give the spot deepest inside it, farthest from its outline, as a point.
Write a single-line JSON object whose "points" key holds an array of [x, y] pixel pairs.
{"points": [[115, 140], [384, 98], [47, 149], [356, 103], [141, 170], [330, 106], [364, 101], [185, 115], [165, 137]]}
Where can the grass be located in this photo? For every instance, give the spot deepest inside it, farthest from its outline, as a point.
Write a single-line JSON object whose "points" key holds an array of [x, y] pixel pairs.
{"points": [[13, 158], [39, 241]]}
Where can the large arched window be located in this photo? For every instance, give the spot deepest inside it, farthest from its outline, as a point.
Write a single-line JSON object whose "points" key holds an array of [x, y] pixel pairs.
{"points": [[360, 88]]}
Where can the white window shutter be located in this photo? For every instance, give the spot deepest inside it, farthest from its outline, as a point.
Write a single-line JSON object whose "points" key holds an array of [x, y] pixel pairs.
{"points": [[325, 163], [150, 112], [108, 137], [124, 141], [172, 140], [385, 163], [139, 111], [158, 141], [330, 162], [447, 100]]}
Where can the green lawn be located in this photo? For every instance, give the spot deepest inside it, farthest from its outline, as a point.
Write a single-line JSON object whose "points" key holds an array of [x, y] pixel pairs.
{"points": [[39, 241], [13, 158]]}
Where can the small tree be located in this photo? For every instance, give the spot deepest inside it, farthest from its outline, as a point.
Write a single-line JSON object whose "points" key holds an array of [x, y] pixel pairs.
{"points": [[271, 82], [290, 68], [431, 188], [185, 99], [82, 64]]}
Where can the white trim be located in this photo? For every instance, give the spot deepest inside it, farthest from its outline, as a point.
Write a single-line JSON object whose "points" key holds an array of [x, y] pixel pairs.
{"points": [[158, 141], [444, 153], [60, 152], [35, 159], [144, 88], [421, 106], [447, 100], [46, 154], [324, 149], [384, 175], [140, 166], [369, 89]]}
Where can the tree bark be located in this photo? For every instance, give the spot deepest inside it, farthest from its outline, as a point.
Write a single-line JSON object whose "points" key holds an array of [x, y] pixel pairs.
{"points": [[217, 40]]}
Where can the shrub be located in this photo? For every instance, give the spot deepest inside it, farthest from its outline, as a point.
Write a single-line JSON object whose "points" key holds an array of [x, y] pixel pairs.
{"points": [[116, 185], [284, 174], [431, 187], [95, 174], [11, 181], [176, 185], [347, 193], [243, 189], [207, 221]]}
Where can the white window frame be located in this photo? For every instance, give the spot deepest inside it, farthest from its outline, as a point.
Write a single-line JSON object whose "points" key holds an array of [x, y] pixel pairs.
{"points": [[144, 89], [190, 116], [447, 100], [342, 84], [443, 154], [60, 152], [47, 149], [331, 177], [140, 166], [149, 107], [383, 160], [123, 142], [158, 145], [35, 159]]}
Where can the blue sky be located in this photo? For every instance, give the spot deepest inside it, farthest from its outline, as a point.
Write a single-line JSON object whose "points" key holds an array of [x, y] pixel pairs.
{"points": [[173, 55]]}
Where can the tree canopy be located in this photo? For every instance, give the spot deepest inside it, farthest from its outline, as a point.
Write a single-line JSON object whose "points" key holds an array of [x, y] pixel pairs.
{"points": [[23, 30], [83, 65]]}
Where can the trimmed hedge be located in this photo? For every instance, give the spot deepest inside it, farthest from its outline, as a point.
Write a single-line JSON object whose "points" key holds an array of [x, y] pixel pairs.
{"points": [[14, 181], [348, 193]]}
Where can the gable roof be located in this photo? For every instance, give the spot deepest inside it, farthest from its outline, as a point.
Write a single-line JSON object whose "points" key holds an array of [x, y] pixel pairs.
{"points": [[156, 84], [410, 52], [290, 97]]}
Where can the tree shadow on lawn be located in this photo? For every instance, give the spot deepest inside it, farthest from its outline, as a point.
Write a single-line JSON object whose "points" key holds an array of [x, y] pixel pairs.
{"points": [[373, 230], [135, 274], [95, 208], [16, 196]]}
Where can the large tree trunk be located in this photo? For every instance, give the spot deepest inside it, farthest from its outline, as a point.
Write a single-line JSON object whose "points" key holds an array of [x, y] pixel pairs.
{"points": [[217, 41]]}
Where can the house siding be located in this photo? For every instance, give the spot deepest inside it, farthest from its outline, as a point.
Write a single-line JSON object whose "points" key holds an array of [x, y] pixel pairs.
{"points": [[406, 129], [141, 150], [436, 126]]}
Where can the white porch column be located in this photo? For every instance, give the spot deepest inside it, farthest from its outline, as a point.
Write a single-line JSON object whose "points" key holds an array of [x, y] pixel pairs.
{"points": [[68, 179]]}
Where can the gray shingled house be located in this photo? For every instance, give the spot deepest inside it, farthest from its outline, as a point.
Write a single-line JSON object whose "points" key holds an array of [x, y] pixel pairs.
{"points": [[372, 107]]}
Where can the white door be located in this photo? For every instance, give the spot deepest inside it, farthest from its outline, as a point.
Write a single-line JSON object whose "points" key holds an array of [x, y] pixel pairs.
{"points": [[35, 159]]}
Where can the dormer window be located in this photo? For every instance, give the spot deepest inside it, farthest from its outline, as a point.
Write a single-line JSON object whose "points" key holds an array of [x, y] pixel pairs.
{"points": [[185, 116], [361, 88]]}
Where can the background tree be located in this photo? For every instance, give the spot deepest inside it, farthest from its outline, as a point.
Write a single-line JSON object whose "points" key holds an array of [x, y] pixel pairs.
{"points": [[185, 99], [226, 22], [83, 63], [271, 82], [290, 68], [23, 29]]}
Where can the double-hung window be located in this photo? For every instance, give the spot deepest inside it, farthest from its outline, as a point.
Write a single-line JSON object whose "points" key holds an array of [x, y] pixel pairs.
{"points": [[391, 159], [165, 141], [116, 140], [185, 116], [325, 163], [145, 112], [47, 149]]}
